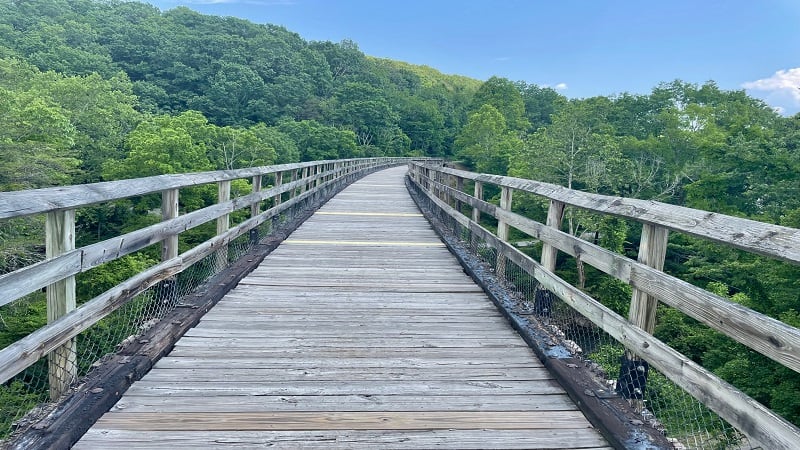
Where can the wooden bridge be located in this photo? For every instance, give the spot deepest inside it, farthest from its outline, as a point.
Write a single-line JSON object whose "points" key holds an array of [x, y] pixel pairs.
{"points": [[362, 329]]}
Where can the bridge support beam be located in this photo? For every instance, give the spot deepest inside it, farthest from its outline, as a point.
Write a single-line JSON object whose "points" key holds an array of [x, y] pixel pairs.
{"points": [[62, 364]]}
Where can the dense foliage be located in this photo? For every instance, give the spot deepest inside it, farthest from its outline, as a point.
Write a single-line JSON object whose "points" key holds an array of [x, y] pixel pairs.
{"points": [[96, 90]]}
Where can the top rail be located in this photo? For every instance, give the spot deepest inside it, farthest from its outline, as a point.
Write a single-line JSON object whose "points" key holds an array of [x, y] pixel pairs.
{"points": [[757, 237], [37, 201]]}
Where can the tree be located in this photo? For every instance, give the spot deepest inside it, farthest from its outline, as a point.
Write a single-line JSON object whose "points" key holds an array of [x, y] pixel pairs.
{"points": [[576, 151], [486, 143], [506, 98], [540, 103], [319, 142]]}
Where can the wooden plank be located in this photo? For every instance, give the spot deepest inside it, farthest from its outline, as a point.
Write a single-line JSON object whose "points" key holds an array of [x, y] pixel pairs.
{"points": [[357, 387], [234, 403], [388, 420], [348, 439], [343, 362], [343, 373], [356, 342], [351, 352]]}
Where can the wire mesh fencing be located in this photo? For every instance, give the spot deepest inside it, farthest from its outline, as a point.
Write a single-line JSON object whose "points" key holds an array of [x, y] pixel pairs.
{"points": [[660, 404]]}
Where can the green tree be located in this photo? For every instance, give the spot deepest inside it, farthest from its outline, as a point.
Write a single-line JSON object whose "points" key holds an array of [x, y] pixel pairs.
{"points": [[486, 143], [506, 98]]}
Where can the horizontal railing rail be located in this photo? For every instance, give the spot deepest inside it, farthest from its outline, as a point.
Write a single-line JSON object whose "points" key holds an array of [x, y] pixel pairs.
{"points": [[444, 187], [279, 187]]}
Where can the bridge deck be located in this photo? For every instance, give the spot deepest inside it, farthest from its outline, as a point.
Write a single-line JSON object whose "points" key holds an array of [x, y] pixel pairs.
{"points": [[360, 331]]}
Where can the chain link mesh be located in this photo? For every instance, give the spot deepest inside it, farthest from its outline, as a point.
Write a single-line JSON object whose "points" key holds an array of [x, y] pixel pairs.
{"points": [[662, 405]]}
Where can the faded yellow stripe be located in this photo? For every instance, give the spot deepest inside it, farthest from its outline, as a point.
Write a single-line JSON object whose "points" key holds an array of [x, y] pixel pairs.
{"points": [[373, 243], [325, 213]]}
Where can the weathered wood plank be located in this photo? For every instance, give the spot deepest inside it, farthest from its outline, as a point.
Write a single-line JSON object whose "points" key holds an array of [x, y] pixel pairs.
{"points": [[387, 420], [234, 403], [343, 373], [347, 439], [341, 362]]}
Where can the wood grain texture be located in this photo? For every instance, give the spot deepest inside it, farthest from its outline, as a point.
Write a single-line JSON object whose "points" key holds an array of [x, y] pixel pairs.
{"points": [[366, 345], [766, 239], [348, 439]]}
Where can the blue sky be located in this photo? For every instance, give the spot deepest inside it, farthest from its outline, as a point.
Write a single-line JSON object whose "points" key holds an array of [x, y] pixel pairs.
{"points": [[582, 48]]}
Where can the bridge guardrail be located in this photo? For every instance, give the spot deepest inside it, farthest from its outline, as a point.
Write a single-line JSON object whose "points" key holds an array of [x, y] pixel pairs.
{"points": [[445, 190], [283, 189]]}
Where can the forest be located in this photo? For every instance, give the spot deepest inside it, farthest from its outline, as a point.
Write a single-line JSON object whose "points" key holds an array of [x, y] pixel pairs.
{"points": [[94, 90]]}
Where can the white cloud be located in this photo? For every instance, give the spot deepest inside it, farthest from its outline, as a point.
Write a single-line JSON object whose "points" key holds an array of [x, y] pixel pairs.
{"points": [[785, 83], [561, 86]]}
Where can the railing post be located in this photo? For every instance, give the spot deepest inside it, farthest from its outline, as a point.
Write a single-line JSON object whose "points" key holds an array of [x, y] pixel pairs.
{"points": [[633, 373], [61, 362], [555, 214], [169, 210], [278, 181], [169, 246], [451, 199], [476, 213], [459, 188], [502, 228], [293, 192], [255, 208], [304, 177], [223, 223]]}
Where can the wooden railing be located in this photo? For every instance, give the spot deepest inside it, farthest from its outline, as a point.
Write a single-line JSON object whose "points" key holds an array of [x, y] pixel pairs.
{"points": [[778, 341], [279, 186]]}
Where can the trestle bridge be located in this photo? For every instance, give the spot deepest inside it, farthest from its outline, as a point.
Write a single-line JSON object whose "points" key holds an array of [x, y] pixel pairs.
{"points": [[374, 303]]}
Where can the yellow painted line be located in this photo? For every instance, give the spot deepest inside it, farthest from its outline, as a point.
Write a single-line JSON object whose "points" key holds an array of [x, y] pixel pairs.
{"points": [[379, 214], [373, 243]]}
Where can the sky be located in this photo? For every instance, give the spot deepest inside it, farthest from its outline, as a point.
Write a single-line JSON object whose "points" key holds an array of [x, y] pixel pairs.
{"points": [[582, 48]]}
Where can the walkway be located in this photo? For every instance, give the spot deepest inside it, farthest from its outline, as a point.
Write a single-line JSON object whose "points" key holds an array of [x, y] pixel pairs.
{"points": [[360, 331]]}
